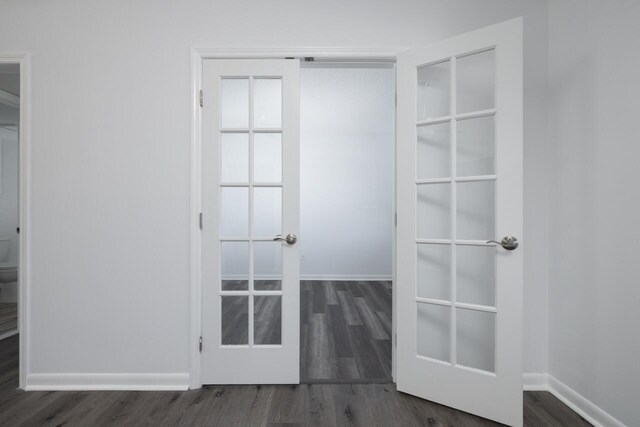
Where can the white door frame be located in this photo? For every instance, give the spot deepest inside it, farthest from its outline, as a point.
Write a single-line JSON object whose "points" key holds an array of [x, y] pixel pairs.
{"points": [[24, 203], [198, 55]]}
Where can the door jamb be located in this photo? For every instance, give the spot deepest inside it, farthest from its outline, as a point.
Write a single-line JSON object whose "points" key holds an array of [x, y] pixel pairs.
{"points": [[24, 205], [198, 55]]}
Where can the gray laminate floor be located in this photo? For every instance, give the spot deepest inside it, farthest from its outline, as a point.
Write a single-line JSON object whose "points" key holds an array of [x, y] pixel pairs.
{"points": [[345, 332], [368, 405], [8, 317]]}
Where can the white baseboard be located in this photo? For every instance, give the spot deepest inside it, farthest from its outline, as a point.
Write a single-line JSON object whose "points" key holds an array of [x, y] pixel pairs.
{"points": [[346, 277], [49, 382], [535, 382], [574, 400]]}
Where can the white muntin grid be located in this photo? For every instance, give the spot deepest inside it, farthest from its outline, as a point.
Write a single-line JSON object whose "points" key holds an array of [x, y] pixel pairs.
{"points": [[251, 239]]}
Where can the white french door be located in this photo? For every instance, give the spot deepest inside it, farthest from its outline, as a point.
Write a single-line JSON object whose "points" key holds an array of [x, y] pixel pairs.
{"points": [[459, 186], [250, 207]]}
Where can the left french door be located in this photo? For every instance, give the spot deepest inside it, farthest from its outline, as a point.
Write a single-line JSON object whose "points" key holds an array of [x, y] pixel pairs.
{"points": [[250, 222]]}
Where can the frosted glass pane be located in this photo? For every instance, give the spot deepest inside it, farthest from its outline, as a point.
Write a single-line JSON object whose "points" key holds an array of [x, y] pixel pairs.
{"points": [[234, 212], [234, 266], [234, 103], [476, 274], [235, 320], [267, 102], [476, 339], [434, 218], [267, 157], [234, 157], [434, 271], [267, 323], [476, 210], [433, 151], [476, 82], [434, 91], [267, 214], [476, 145], [434, 325], [267, 266]]}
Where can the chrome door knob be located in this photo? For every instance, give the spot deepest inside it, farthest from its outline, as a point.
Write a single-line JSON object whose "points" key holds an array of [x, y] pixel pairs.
{"points": [[291, 239], [508, 242]]}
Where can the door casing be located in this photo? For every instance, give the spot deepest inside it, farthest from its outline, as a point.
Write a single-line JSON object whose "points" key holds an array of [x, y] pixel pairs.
{"points": [[198, 55]]}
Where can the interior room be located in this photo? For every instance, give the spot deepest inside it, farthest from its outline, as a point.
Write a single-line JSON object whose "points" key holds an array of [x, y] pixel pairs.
{"points": [[268, 212], [347, 136], [9, 153]]}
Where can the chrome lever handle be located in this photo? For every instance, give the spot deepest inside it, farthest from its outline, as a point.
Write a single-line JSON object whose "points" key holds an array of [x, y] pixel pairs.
{"points": [[508, 242], [291, 239]]}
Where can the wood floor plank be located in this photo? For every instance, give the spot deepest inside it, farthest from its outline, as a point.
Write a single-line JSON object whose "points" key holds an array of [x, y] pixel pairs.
{"points": [[318, 353], [369, 365], [374, 328], [8, 317], [330, 293], [318, 297], [337, 325], [349, 309]]}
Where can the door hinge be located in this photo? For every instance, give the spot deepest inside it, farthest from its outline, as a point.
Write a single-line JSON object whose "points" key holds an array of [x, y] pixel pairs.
{"points": [[200, 220], [201, 99], [396, 99], [395, 219], [395, 340], [200, 345]]}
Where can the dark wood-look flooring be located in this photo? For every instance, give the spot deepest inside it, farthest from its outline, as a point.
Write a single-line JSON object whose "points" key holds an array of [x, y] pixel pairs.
{"points": [[367, 405], [345, 332], [8, 317]]}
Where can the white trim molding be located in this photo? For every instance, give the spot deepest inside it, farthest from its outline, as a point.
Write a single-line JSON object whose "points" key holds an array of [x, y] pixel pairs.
{"points": [[535, 382], [574, 400], [134, 382]]}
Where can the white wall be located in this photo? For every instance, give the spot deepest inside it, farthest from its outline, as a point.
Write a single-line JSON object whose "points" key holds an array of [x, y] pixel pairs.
{"points": [[594, 344], [110, 156], [347, 139]]}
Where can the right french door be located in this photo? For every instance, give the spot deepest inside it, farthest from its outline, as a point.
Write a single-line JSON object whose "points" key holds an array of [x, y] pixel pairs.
{"points": [[459, 205]]}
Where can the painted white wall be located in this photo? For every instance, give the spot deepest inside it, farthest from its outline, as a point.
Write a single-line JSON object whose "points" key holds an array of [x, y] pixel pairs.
{"points": [[347, 140], [110, 156], [594, 345]]}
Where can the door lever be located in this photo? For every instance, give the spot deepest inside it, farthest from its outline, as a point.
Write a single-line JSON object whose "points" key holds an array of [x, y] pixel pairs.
{"points": [[291, 239], [508, 242]]}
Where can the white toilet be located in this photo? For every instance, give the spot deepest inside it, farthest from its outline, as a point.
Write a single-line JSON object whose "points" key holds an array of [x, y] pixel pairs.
{"points": [[8, 271]]}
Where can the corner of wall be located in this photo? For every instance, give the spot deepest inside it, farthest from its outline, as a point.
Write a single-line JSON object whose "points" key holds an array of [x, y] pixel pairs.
{"points": [[574, 400]]}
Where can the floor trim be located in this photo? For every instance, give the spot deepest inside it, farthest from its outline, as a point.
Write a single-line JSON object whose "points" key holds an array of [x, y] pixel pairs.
{"points": [[574, 400], [134, 382]]}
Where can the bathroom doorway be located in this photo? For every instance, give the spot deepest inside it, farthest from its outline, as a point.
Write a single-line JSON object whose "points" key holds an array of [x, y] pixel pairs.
{"points": [[9, 198]]}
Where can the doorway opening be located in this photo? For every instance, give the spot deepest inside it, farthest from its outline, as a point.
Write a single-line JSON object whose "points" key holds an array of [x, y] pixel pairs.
{"points": [[347, 140], [9, 198]]}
